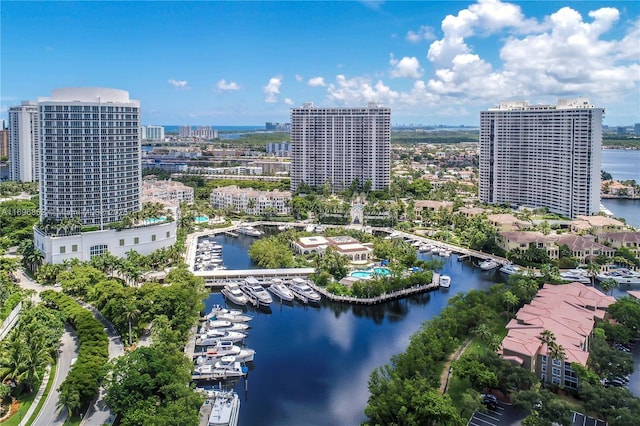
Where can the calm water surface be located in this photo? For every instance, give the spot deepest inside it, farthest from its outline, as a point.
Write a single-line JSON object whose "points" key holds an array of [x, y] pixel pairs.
{"points": [[312, 364], [623, 164]]}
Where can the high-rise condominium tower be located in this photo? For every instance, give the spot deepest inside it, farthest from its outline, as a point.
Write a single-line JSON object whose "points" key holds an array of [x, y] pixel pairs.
{"points": [[340, 145], [90, 155], [24, 148], [542, 156]]}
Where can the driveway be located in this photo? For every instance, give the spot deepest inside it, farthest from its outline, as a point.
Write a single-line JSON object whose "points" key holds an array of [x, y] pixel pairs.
{"points": [[49, 414]]}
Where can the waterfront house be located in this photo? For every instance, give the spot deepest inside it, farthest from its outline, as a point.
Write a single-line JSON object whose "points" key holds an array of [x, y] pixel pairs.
{"points": [[353, 249], [522, 240], [583, 247], [629, 240], [432, 206], [596, 225], [569, 312], [508, 222]]}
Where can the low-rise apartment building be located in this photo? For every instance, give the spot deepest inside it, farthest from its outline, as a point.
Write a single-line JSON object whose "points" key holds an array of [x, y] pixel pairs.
{"points": [[251, 201], [583, 248], [507, 222], [522, 240], [569, 312], [167, 190], [596, 225], [431, 206], [629, 240]]}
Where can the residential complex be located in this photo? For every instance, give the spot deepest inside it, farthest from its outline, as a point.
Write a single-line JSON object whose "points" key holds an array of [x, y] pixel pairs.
{"points": [[167, 190], [340, 145], [542, 156], [152, 133], [24, 148], [91, 155], [251, 201], [90, 175], [200, 132], [567, 311]]}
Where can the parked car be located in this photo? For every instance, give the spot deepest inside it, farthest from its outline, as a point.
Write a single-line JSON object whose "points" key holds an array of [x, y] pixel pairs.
{"points": [[489, 400]]}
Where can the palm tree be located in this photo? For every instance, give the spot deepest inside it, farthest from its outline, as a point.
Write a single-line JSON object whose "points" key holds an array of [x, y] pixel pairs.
{"points": [[593, 269], [12, 362], [608, 285], [131, 314], [69, 398], [37, 357]]}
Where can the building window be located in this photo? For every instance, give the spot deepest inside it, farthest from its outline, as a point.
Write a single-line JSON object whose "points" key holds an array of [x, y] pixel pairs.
{"points": [[557, 363], [122, 241], [136, 240], [97, 250], [555, 371], [74, 248], [168, 234], [153, 237], [555, 380], [63, 249]]}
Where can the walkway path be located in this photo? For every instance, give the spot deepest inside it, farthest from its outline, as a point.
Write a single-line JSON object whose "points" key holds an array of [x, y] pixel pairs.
{"points": [[36, 400], [446, 370]]}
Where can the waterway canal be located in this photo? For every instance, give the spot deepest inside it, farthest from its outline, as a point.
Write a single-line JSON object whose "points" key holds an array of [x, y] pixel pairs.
{"points": [[312, 364]]}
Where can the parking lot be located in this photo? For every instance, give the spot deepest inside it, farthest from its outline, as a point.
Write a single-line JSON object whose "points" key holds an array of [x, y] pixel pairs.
{"points": [[508, 415], [503, 415]]}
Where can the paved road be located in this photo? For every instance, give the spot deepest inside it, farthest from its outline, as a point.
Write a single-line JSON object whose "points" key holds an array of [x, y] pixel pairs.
{"points": [[50, 414]]}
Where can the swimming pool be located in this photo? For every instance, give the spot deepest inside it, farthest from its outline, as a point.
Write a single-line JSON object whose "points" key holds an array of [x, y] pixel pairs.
{"points": [[201, 219], [368, 273], [154, 220]]}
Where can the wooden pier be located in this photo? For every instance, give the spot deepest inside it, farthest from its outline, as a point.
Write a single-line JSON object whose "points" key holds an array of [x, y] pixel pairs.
{"points": [[385, 297]]}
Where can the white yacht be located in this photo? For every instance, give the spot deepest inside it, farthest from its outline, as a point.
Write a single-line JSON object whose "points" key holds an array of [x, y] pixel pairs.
{"points": [[445, 281], [510, 269], [234, 294], [224, 348], [212, 337], [225, 325], [302, 290], [255, 290], [621, 276], [488, 264], [225, 409], [576, 275], [280, 290], [229, 366], [250, 231]]}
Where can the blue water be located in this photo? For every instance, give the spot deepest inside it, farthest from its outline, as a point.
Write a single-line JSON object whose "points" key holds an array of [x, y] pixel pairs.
{"points": [[367, 273], [155, 220], [312, 363], [201, 219], [623, 164]]}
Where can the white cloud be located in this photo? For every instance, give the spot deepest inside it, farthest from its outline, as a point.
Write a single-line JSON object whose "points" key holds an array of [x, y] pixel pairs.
{"points": [[359, 90], [424, 33], [408, 67], [563, 55], [178, 84], [316, 81], [272, 89], [299, 78], [223, 85], [288, 101]]}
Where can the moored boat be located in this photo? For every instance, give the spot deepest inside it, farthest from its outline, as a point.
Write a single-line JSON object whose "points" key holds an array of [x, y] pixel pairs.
{"points": [[280, 290], [225, 409], [250, 231], [488, 264], [445, 281], [576, 275], [510, 269], [234, 294], [621, 276], [302, 290], [255, 290]]}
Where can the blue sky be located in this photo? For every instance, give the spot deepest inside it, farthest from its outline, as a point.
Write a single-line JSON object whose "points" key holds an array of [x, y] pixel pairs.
{"points": [[244, 63]]}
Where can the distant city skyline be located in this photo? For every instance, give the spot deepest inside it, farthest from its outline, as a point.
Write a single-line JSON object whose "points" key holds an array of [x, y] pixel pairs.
{"points": [[239, 63]]}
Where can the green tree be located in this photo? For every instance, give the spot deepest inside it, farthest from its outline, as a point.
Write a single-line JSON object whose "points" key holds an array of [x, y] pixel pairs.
{"points": [[608, 285]]}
